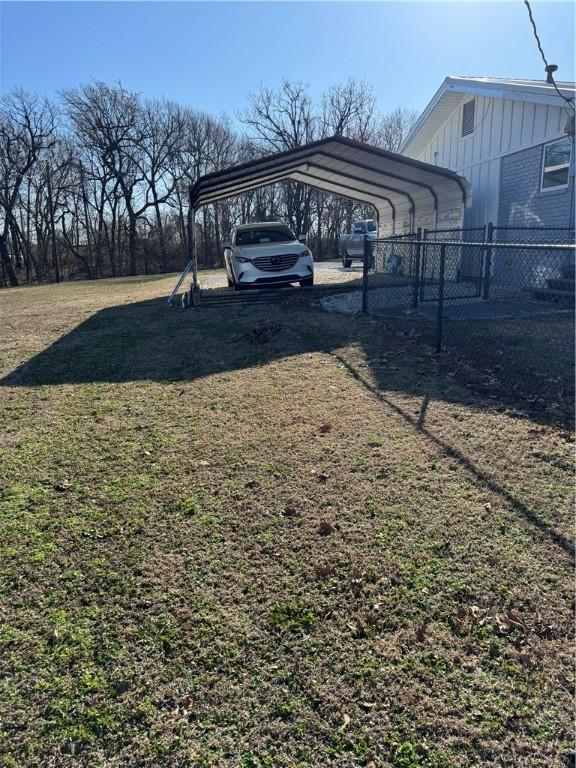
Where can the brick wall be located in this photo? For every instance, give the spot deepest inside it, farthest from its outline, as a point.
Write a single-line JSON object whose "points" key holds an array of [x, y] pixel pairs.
{"points": [[521, 202]]}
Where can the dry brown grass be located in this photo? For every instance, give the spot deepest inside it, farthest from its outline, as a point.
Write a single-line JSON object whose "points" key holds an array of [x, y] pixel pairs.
{"points": [[308, 545]]}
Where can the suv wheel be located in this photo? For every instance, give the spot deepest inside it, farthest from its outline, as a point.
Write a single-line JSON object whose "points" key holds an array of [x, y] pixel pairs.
{"points": [[346, 262], [307, 282]]}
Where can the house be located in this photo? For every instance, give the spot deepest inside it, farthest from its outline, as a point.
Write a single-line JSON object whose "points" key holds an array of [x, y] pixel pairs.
{"points": [[510, 139]]}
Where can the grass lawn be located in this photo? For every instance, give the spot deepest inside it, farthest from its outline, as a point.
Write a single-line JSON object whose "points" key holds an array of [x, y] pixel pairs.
{"points": [[273, 536]]}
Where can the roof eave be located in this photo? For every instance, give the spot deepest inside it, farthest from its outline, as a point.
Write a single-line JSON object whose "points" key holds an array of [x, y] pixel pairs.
{"points": [[424, 116], [478, 87]]}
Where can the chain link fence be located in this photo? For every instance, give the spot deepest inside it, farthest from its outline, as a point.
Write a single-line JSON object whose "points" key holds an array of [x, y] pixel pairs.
{"points": [[536, 235], [467, 234], [504, 311]]}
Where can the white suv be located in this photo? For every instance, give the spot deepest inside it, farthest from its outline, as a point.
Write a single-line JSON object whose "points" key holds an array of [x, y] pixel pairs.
{"points": [[266, 254]]}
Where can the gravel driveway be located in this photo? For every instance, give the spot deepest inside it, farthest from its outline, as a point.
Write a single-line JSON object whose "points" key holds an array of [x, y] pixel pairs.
{"points": [[324, 272]]}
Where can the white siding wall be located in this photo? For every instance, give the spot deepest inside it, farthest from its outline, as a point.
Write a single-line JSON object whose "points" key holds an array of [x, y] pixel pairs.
{"points": [[502, 126]]}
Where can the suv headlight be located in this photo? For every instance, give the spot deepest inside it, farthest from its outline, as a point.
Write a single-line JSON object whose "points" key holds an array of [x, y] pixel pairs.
{"points": [[305, 252], [242, 260]]}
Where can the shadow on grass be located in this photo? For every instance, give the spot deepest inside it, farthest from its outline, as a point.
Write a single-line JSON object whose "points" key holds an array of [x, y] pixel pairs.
{"points": [[147, 341], [525, 366], [479, 476]]}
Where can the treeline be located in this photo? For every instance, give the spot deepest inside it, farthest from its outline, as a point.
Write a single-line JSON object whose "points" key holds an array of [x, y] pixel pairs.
{"points": [[97, 183]]}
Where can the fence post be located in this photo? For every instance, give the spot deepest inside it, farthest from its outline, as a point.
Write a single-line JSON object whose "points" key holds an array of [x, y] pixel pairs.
{"points": [[417, 268], [440, 315], [488, 260], [365, 261]]}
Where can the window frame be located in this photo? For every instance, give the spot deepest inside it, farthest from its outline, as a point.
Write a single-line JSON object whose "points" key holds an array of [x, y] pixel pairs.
{"points": [[557, 187]]}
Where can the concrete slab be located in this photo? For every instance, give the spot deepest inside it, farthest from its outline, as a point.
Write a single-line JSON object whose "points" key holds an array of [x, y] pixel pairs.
{"points": [[491, 310]]}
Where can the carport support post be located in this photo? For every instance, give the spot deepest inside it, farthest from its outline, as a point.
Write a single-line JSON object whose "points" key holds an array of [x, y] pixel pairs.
{"points": [[194, 252], [417, 268], [440, 315], [488, 260], [365, 261], [194, 292]]}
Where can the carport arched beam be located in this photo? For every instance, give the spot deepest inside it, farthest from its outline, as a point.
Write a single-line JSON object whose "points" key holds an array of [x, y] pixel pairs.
{"points": [[366, 167], [290, 162], [252, 172], [219, 192], [291, 176], [371, 153], [349, 197], [360, 195]]}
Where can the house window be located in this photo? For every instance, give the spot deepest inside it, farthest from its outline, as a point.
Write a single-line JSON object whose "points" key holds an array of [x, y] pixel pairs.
{"points": [[468, 117], [556, 164]]}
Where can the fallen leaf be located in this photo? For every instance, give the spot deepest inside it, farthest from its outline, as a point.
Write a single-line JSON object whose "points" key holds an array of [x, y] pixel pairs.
{"points": [[371, 618], [325, 529], [325, 428], [527, 660], [324, 571], [516, 620], [290, 512], [508, 622], [456, 623], [421, 632], [262, 334], [122, 686]]}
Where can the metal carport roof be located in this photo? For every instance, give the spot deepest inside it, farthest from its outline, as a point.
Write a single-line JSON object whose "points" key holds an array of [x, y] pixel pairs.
{"points": [[406, 193]]}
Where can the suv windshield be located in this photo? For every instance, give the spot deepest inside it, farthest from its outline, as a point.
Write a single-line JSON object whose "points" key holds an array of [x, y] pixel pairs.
{"points": [[364, 226], [263, 236]]}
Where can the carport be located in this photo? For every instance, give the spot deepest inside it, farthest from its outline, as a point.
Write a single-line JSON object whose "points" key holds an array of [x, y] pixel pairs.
{"points": [[405, 193]]}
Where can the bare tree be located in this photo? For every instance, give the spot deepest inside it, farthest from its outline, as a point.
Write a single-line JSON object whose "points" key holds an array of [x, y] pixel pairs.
{"points": [[27, 128], [393, 127], [136, 144], [280, 119], [209, 144], [349, 109], [106, 120], [106, 188], [162, 136]]}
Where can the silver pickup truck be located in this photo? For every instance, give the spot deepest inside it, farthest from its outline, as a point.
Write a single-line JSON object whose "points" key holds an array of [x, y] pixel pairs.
{"points": [[351, 246]]}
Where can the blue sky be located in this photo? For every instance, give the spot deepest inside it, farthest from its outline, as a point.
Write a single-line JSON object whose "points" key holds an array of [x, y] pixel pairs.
{"points": [[210, 55]]}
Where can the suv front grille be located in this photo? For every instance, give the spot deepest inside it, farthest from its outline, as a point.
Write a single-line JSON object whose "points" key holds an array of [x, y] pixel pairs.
{"points": [[275, 263]]}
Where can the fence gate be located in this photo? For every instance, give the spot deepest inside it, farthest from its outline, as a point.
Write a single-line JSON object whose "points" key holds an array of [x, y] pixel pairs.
{"points": [[463, 267]]}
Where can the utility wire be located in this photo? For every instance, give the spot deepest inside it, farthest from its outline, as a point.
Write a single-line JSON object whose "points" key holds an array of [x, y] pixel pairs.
{"points": [[567, 99]]}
